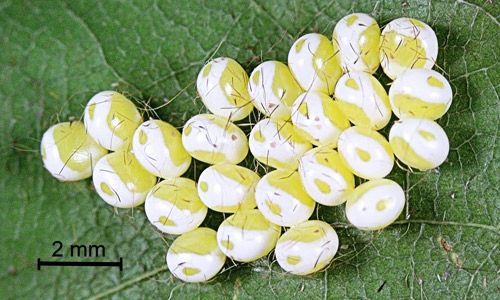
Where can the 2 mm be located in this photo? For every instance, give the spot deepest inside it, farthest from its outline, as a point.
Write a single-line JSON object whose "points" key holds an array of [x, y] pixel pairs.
{"points": [[79, 250]]}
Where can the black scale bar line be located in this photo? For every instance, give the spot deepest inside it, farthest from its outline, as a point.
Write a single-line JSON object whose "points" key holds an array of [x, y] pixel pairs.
{"points": [[118, 264]]}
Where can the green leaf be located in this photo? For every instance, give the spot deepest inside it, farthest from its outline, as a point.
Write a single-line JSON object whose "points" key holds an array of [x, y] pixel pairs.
{"points": [[54, 56]]}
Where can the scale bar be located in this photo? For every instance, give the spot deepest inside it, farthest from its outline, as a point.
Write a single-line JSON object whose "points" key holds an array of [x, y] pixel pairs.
{"points": [[119, 264]]}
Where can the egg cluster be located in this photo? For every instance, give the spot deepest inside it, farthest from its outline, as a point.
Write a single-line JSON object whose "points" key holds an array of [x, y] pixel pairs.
{"points": [[305, 134]]}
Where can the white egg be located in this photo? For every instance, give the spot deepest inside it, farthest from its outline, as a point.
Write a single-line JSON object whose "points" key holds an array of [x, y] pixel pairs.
{"points": [[366, 152], [222, 85], [247, 236], [173, 206], [111, 119], [194, 256], [228, 188], [313, 63], [157, 145], [419, 143], [318, 118], [307, 247], [68, 153], [363, 100], [121, 181], [420, 93], [356, 40], [273, 89], [407, 44], [281, 198], [214, 140], [375, 204], [277, 144], [325, 177]]}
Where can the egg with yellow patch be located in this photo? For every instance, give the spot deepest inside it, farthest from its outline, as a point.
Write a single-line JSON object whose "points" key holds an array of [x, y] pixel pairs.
{"points": [[68, 152], [366, 152], [419, 143], [375, 204], [247, 236], [356, 39], [173, 206], [318, 118], [121, 181], [313, 63], [195, 256], [277, 144], [282, 199], [213, 139], [228, 188], [273, 89], [222, 85], [157, 145], [111, 119], [406, 44], [363, 100], [307, 247], [420, 93]]}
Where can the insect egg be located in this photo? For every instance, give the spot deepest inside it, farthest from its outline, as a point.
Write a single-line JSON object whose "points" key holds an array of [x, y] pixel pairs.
{"points": [[375, 204], [194, 256], [120, 180], [420, 93], [282, 199], [307, 247], [273, 89], [363, 100], [247, 236], [228, 188], [313, 63], [222, 86], [173, 206], [324, 176], [407, 44], [111, 119], [356, 39], [68, 153], [214, 140], [277, 144], [366, 152], [318, 118], [419, 143], [157, 145]]}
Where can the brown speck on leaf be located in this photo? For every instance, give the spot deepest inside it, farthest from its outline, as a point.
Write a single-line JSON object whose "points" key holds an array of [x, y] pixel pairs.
{"points": [[234, 137], [446, 247]]}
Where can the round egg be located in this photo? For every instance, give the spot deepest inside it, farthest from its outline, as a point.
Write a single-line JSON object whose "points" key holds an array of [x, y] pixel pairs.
{"points": [[363, 100], [157, 145], [228, 188], [375, 204], [173, 206], [247, 236], [366, 152], [318, 118], [407, 44], [325, 177], [281, 198], [356, 39], [222, 85], [313, 63], [307, 247], [111, 119], [194, 256], [419, 143], [68, 153], [273, 89], [420, 93], [214, 140], [277, 144], [121, 181]]}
